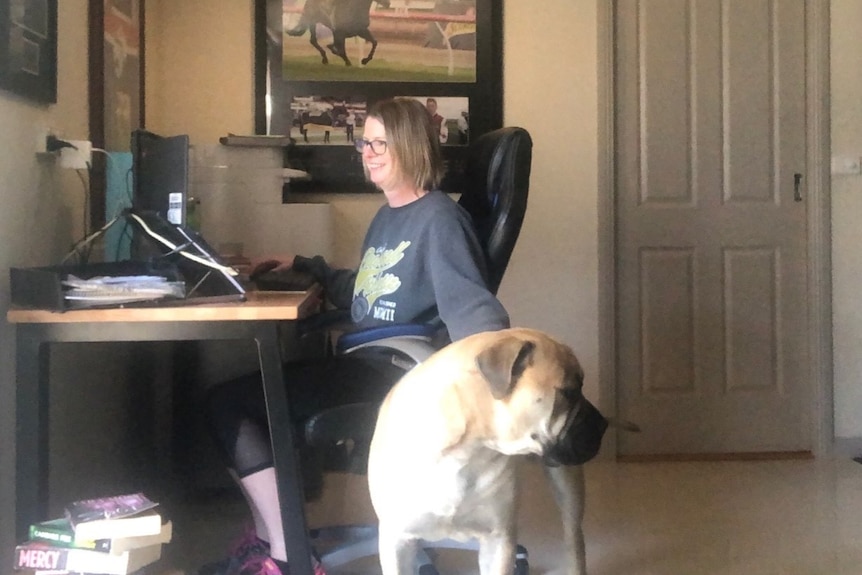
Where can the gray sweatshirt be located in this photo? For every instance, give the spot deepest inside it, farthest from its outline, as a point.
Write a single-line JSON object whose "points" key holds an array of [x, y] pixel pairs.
{"points": [[416, 257]]}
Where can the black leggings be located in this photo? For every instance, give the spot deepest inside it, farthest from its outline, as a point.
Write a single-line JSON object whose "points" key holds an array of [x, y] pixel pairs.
{"points": [[236, 410]]}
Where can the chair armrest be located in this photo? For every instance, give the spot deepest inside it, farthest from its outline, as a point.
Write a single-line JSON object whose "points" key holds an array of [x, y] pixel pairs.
{"points": [[414, 340]]}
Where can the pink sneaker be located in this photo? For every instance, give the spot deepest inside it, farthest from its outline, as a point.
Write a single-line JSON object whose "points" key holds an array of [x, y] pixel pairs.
{"points": [[317, 566], [258, 565], [245, 548]]}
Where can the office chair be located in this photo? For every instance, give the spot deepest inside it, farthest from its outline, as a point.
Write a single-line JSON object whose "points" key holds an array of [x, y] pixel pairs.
{"points": [[494, 186]]}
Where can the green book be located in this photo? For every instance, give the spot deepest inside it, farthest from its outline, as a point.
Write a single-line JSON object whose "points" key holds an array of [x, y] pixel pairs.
{"points": [[59, 532]]}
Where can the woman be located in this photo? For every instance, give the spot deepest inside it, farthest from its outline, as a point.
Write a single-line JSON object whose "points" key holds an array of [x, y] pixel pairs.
{"points": [[420, 253]]}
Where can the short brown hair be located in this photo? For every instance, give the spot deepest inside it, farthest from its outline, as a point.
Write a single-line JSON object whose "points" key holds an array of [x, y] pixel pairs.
{"points": [[412, 140]]}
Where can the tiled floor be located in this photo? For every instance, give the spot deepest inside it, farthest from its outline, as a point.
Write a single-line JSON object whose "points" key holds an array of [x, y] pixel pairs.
{"points": [[751, 518]]}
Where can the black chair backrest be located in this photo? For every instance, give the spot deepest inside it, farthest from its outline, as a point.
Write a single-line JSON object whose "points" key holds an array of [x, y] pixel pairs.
{"points": [[495, 185]]}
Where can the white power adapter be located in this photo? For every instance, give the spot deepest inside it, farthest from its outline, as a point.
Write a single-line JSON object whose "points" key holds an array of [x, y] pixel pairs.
{"points": [[78, 158]]}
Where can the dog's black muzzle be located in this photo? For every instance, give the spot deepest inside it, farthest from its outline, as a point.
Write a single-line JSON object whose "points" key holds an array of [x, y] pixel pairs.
{"points": [[581, 437]]}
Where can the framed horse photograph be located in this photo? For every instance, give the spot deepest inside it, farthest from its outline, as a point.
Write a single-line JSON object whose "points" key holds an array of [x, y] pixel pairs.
{"points": [[434, 44], [321, 63]]}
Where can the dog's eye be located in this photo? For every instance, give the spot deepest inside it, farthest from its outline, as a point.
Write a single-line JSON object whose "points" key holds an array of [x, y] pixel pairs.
{"points": [[534, 436]]}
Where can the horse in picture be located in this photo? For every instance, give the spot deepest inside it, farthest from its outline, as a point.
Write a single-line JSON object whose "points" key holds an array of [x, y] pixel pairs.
{"points": [[346, 19]]}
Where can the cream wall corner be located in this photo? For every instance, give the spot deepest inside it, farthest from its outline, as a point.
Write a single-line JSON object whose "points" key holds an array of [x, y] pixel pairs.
{"points": [[550, 88]]}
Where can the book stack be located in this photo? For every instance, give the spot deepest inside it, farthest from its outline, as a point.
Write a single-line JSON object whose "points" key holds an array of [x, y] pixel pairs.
{"points": [[107, 536]]}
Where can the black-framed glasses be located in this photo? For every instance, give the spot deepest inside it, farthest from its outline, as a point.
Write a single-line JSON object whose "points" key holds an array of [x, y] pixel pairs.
{"points": [[378, 147]]}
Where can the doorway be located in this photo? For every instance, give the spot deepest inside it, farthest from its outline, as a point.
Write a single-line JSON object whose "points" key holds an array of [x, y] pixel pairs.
{"points": [[716, 228]]}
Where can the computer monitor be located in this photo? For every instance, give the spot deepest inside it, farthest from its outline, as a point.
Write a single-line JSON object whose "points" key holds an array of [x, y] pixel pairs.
{"points": [[160, 174]]}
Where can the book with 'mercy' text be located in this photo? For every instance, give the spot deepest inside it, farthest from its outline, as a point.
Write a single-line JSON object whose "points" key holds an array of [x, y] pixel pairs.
{"points": [[45, 557]]}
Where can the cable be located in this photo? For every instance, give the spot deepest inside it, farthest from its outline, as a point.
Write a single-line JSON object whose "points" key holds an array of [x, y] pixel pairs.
{"points": [[164, 241], [130, 176], [102, 151], [85, 241], [85, 219], [125, 234]]}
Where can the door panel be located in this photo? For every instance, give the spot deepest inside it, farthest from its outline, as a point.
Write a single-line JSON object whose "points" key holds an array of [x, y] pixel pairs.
{"points": [[710, 244]]}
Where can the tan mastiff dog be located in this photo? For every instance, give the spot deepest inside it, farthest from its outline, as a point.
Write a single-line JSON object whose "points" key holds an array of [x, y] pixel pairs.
{"points": [[441, 463]]}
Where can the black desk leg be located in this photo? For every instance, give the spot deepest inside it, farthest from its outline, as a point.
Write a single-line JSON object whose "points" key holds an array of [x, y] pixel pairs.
{"points": [[287, 470], [31, 429]]}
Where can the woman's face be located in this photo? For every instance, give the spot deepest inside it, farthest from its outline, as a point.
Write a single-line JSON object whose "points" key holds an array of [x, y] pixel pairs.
{"points": [[382, 170]]}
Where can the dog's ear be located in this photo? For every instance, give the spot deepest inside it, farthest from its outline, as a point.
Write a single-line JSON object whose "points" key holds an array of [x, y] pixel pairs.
{"points": [[503, 363]]}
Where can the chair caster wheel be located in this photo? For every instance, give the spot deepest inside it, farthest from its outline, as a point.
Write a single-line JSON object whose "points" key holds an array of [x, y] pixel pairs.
{"points": [[522, 566], [428, 570]]}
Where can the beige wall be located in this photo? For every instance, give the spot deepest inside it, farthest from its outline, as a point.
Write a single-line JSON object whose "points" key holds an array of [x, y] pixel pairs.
{"points": [[199, 68], [550, 88], [41, 214]]}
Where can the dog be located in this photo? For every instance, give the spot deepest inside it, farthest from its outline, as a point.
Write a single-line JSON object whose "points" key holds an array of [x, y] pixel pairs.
{"points": [[443, 457]]}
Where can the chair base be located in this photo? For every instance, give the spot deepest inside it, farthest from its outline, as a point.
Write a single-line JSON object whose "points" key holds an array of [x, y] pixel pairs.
{"points": [[340, 545]]}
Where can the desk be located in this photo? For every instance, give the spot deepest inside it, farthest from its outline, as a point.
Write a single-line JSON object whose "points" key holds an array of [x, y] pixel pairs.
{"points": [[256, 319]]}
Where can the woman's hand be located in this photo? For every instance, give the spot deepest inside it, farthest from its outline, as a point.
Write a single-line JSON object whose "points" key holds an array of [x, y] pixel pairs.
{"points": [[266, 264]]}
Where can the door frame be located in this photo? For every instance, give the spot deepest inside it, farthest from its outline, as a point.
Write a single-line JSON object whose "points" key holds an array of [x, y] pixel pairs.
{"points": [[819, 225]]}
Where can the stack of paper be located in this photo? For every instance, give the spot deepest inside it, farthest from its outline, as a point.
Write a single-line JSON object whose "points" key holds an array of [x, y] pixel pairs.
{"points": [[120, 289]]}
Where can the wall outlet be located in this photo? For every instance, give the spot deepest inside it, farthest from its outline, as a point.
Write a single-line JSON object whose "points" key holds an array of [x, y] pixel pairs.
{"points": [[41, 141], [78, 158]]}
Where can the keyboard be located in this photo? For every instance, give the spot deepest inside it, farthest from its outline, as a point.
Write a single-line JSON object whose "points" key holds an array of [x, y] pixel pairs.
{"points": [[285, 280]]}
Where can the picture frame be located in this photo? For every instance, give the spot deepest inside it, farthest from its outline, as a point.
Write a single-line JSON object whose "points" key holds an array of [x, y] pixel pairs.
{"points": [[28, 49], [116, 86], [445, 53]]}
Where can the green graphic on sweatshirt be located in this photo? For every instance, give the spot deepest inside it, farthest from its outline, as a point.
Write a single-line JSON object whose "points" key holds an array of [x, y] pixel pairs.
{"points": [[372, 281]]}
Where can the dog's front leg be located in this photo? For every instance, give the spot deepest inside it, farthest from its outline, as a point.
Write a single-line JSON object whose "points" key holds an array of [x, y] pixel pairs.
{"points": [[567, 484], [397, 553], [497, 555]]}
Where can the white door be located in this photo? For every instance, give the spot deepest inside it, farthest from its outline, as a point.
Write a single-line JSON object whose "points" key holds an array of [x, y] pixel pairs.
{"points": [[710, 135]]}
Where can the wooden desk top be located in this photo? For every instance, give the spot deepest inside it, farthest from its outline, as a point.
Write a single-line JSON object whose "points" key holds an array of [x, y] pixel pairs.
{"points": [[261, 305]]}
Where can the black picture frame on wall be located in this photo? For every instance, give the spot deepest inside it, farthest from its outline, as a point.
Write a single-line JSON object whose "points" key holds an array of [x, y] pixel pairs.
{"points": [[28, 49], [450, 51]]}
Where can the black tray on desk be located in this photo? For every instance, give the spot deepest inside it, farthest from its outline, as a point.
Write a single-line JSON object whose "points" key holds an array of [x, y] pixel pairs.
{"points": [[42, 288], [164, 249]]}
